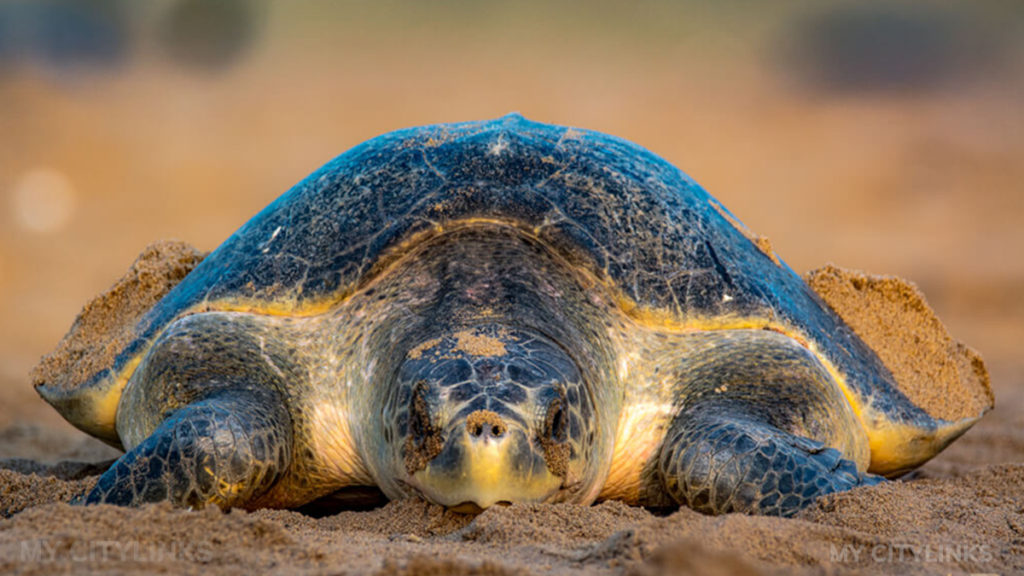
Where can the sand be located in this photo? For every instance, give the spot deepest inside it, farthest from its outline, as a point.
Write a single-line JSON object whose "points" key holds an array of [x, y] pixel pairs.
{"points": [[962, 513], [945, 377], [106, 323], [970, 524]]}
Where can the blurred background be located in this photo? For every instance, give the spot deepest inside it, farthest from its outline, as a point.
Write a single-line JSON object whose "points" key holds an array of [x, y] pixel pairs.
{"points": [[883, 136]]}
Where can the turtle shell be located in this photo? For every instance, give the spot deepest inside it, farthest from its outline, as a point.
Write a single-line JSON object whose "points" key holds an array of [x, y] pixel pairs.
{"points": [[673, 253]]}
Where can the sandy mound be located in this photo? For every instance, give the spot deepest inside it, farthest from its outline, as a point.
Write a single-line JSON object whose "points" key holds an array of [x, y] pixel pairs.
{"points": [[106, 324], [939, 374], [974, 524]]}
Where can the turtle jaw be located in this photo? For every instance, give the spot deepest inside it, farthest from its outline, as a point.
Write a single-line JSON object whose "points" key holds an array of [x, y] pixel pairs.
{"points": [[480, 466]]}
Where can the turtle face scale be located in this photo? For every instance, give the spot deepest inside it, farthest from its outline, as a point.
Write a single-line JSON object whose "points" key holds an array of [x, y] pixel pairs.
{"points": [[489, 414]]}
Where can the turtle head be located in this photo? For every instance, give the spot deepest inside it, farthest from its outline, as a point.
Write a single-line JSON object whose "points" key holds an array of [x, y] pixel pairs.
{"points": [[491, 414]]}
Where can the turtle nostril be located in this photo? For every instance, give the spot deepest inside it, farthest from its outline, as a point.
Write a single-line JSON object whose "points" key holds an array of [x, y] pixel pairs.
{"points": [[485, 424]]}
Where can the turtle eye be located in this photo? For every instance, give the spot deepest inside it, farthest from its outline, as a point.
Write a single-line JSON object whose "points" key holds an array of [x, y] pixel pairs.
{"points": [[420, 424], [423, 439], [556, 423]]}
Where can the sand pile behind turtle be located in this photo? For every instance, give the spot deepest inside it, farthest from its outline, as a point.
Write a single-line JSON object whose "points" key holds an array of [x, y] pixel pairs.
{"points": [[945, 377], [106, 324]]}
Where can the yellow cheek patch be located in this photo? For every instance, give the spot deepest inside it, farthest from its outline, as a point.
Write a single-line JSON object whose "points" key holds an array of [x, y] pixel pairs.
{"points": [[487, 467]]}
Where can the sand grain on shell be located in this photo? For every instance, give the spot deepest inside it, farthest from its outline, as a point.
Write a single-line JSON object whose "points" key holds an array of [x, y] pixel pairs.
{"points": [[476, 344], [417, 352]]}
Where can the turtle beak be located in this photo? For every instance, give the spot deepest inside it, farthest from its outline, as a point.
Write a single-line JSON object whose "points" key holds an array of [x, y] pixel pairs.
{"points": [[486, 460]]}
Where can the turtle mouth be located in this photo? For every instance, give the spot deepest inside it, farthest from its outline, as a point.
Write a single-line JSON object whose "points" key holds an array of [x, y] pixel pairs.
{"points": [[473, 508], [482, 464]]}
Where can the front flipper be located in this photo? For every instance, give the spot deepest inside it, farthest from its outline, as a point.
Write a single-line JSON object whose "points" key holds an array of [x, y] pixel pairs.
{"points": [[717, 463], [225, 449], [762, 427]]}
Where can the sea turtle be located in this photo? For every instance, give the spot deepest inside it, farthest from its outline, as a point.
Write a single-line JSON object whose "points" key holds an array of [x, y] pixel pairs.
{"points": [[494, 312]]}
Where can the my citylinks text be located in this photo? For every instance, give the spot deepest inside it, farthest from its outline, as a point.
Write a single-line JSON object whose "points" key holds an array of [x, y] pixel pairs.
{"points": [[100, 551], [923, 553]]}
